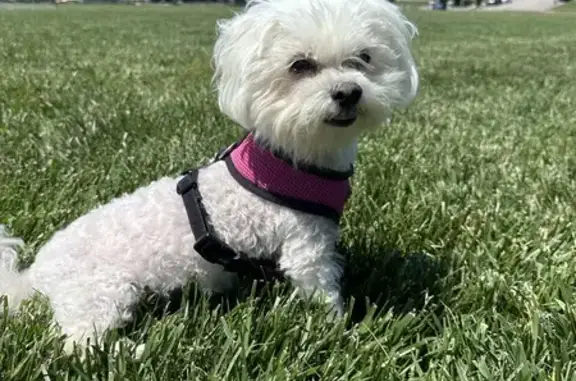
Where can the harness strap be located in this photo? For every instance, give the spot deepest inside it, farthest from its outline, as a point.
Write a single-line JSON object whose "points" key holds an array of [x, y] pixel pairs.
{"points": [[208, 245]]}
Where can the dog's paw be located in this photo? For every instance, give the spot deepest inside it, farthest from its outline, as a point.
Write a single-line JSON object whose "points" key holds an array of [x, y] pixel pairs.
{"points": [[334, 305], [69, 347], [335, 313], [8, 249], [125, 344], [74, 346]]}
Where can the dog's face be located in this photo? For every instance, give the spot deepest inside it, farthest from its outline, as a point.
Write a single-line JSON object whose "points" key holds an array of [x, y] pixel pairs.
{"points": [[310, 75]]}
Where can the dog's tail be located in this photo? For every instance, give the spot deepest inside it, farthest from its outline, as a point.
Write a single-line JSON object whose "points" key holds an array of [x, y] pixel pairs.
{"points": [[14, 286]]}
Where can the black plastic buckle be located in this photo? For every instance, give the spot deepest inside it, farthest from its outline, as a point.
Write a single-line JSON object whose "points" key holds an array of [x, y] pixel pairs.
{"points": [[185, 184], [214, 250]]}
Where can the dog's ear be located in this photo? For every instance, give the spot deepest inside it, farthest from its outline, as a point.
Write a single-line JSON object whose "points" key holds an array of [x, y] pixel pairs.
{"points": [[399, 32], [411, 81], [236, 59]]}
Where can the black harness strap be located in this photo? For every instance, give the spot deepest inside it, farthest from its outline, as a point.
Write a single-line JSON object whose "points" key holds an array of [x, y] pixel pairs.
{"points": [[208, 245], [212, 248]]}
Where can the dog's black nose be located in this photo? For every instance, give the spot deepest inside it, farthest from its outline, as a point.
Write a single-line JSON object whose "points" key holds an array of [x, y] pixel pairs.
{"points": [[347, 94]]}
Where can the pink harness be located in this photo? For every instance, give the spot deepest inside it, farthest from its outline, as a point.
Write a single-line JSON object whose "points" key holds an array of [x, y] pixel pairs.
{"points": [[274, 178], [277, 179]]}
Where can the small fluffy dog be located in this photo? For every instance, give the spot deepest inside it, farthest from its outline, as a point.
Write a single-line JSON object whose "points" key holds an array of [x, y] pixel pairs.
{"points": [[304, 78]]}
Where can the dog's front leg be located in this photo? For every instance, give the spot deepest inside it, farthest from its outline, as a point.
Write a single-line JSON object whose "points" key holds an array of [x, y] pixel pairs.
{"points": [[316, 269]]}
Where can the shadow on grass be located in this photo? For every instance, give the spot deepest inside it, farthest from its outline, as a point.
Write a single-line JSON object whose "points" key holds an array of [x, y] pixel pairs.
{"points": [[384, 279], [389, 279]]}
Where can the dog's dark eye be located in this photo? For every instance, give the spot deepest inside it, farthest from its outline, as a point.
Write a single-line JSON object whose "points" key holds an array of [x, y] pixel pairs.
{"points": [[360, 62], [365, 57], [303, 66]]}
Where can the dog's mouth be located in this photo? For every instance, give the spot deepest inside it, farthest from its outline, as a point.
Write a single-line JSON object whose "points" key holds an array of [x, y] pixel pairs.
{"points": [[344, 119]]}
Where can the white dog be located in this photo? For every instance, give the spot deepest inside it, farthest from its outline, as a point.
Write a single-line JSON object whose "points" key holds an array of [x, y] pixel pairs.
{"points": [[305, 78]]}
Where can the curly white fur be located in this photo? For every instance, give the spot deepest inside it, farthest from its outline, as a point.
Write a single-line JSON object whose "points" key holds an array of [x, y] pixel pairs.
{"points": [[13, 285], [254, 50], [95, 270]]}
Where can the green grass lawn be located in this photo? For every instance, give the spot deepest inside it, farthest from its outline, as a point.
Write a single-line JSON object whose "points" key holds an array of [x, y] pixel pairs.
{"points": [[461, 229], [568, 7]]}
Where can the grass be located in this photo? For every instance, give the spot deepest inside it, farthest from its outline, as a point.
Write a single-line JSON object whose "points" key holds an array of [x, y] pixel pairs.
{"points": [[460, 230], [568, 7]]}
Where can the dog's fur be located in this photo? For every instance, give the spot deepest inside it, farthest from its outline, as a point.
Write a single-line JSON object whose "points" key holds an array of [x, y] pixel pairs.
{"points": [[96, 269]]}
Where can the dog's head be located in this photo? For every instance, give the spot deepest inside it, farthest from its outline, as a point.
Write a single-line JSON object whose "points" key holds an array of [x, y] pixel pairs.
{"points": [[308, 76]]}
